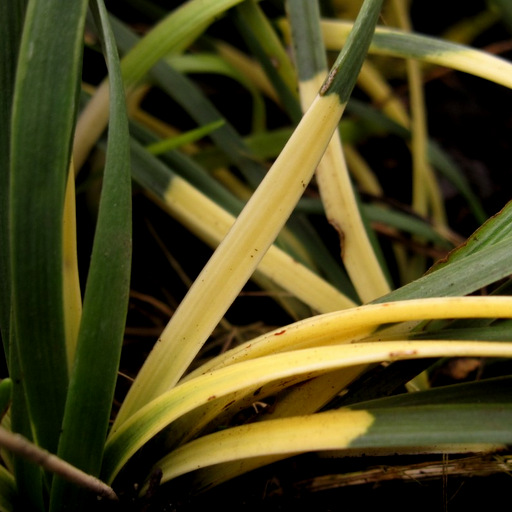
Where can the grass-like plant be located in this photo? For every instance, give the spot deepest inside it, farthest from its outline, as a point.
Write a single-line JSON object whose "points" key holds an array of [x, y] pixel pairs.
{"points": [[64, 438]]}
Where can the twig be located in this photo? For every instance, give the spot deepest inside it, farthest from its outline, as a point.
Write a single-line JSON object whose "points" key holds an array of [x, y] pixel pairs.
{"points": [[19, 445], [482, 465]]}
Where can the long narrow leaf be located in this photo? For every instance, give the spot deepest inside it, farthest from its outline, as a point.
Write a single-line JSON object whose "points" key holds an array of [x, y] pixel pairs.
{"points": [[397, 43], [262, 39], [332, 175], [357, 324], [12, 13], [460, 277], [94, 375], [497, 229], [447, 428], [42, 128]]}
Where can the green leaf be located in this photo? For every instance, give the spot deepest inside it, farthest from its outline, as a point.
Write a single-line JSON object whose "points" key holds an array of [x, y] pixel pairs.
{"points": [[94, 374], [491, 391], [308, 46], [358, 244], [496, 229], [262, 39], [433, 428], [434, 425], [7, 491], [11, 14], [163, 146], [5, 396], [42, 130], [385, 433], [460, 277], [170, 33], [344, 72]]}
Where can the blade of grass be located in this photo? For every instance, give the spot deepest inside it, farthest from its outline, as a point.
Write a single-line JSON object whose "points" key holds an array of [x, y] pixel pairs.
{"points": [[315, 393], [356, 324], [42, 125], [12, 14], [461, 277], [490, 391], [163, 146], [191, 98], [226, 137], [262, 39], [94, 374], [434, 428], [257, 226], [396, 43], [454, 279], [495, 230], [332, 175], [242, 351], [28, 478], [300, 398]]}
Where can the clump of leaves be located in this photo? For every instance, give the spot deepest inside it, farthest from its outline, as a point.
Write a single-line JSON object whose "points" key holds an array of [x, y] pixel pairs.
{"points": [[254, 199]]}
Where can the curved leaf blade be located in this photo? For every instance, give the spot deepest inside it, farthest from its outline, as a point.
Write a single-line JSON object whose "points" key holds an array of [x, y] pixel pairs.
{"points": [[428, 428], [162, 411]]}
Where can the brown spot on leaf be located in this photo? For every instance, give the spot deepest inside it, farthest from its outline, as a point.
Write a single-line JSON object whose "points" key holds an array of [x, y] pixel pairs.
{"points": [[402, 353], [341, 234]]}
